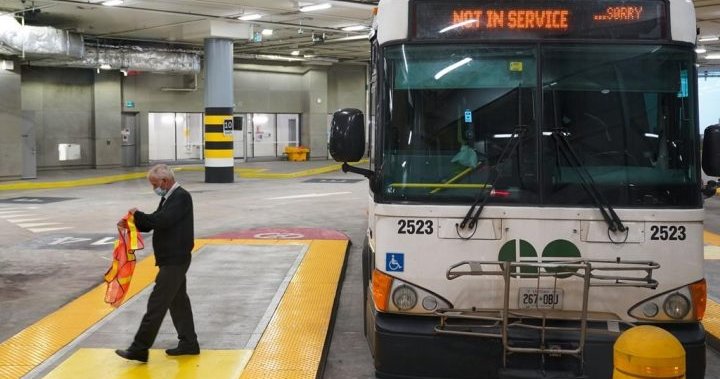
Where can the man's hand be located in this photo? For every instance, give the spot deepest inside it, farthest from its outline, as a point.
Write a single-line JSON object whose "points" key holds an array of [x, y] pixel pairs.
{"points": [[123, 223]]}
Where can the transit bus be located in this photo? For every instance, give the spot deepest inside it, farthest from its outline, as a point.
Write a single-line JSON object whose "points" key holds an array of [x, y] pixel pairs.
{"points": [[535, 185]]}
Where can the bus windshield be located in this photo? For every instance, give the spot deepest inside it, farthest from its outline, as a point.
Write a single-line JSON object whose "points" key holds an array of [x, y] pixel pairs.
{"points": [[464, 122]]}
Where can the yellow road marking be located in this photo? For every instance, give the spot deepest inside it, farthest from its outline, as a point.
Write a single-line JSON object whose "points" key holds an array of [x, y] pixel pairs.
{"points": [[14, 186], [293, 342], [33, 345], [711, 238], [250, 173], [104, 363], [296, 174], [711, 321], [291, 346]]}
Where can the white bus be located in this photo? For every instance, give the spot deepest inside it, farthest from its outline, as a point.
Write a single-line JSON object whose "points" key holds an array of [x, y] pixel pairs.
{"points": [[535, 185]]}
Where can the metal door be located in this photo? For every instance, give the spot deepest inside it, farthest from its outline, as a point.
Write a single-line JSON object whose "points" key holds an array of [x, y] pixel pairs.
{"points": [[28, 145], [129, 139], [238, 136]]}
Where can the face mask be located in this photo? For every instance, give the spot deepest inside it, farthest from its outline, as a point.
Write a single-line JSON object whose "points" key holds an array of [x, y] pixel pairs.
{"points": [[159, 191]]}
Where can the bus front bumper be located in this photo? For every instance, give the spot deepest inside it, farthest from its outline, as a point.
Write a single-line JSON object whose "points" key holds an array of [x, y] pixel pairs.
{"points": [[408, 347]]}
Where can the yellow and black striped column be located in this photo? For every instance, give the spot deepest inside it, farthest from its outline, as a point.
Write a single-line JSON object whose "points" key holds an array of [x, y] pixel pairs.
{"points": [[219, 162]]}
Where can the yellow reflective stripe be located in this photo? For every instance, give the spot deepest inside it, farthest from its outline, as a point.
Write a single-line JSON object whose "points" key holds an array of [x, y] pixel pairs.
{"points": [[132, 233], [218, 137], [125, 280], [112, 272], [131, 256], [219, 153], [216, 120]]}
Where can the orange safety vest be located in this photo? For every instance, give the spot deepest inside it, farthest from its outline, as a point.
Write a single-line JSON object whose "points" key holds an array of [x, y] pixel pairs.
{"points": [[119, 274]]}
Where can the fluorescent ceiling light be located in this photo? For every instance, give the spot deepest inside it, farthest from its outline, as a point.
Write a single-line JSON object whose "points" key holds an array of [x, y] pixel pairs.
{"points": [[112, 3], [250, 17], [708, 38], [354, 28], [453, 66], [295, 53], [712, 56], [455, 26], [700, 50], [105, 66], [267, 32], [315, 7]]}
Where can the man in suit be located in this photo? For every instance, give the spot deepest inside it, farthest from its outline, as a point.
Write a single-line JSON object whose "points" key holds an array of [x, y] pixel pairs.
{"points": [[173, 241]]}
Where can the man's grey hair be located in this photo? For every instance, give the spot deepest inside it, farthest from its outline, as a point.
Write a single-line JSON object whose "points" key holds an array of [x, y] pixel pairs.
{"points": [[161, 171]]}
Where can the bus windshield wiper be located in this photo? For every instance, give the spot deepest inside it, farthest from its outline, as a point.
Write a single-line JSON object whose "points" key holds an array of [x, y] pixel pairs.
{"points": [[472, 216], [587, 182]]}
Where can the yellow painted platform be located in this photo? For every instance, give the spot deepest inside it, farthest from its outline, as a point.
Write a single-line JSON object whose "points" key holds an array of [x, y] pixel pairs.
{"points": [[291, 346], [711, 321], [105, 364]]}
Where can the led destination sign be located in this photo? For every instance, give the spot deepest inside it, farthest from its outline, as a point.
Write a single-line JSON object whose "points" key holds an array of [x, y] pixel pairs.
{"points": [[643, 19]]}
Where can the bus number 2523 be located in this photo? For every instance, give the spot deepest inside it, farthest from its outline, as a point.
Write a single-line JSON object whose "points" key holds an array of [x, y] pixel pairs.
{"points": [[664, 233], [415, 226]]}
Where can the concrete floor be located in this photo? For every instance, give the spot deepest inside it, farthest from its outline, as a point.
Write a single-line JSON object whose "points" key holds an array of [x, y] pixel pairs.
{"points": [[43, 269]]}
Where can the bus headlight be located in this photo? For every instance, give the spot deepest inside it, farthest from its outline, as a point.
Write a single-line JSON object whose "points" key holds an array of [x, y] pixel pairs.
{"points": [[650, 309], [404, 298], [391, 294], [686, 304], [429, 303], [676, 306]]}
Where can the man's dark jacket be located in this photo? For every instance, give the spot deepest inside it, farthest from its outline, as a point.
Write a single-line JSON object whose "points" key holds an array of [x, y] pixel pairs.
{"points": [[172, 223]]}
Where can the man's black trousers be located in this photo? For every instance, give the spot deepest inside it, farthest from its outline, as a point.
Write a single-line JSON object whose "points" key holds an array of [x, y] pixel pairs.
{"points": [[169, 293]]}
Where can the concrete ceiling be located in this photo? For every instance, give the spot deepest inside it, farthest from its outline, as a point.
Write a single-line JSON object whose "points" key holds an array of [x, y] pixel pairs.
{"points": [[185, 24]]}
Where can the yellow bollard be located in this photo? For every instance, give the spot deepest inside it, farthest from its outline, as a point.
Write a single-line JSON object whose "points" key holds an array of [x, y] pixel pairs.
{"points": [[648, 352]]}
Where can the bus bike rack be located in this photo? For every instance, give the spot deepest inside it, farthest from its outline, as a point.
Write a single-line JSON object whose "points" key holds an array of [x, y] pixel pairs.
{"points": [[590, 271]]}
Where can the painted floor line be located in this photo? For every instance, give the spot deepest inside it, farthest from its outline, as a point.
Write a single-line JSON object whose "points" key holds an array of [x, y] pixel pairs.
{"points": [[250, 173]]}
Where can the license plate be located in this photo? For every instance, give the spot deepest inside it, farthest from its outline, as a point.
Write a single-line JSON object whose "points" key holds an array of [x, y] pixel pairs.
{"points": [[540, 298]]}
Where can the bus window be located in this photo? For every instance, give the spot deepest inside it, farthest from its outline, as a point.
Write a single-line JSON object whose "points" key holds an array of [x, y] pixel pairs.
{"points": [[452, 112], [625, 112]]}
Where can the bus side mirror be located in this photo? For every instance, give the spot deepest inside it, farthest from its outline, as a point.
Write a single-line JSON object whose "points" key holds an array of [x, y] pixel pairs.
{"points": [[347, 135], [711, 150]]}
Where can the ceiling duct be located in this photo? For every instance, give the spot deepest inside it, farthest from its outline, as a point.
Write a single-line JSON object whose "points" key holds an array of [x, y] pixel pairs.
{"points": [[23, 40], [47, 46], [141, 59], [134, 58]]}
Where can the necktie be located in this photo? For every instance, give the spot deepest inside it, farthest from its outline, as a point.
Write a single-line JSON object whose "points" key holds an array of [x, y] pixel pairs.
{"points": [[162, 201]]}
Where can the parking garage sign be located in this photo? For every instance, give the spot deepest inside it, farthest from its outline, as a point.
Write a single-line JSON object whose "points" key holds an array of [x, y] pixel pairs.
{"points": [[228, 127]]}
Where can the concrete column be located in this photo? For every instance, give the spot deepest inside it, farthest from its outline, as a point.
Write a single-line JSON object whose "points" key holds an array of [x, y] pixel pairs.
{"points": [[11, 161], [219, 103], [315, 113], [107, 119]]}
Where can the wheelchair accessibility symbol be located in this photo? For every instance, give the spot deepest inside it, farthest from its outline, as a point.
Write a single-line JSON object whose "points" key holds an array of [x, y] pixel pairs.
{"points": [[394, 261]]}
